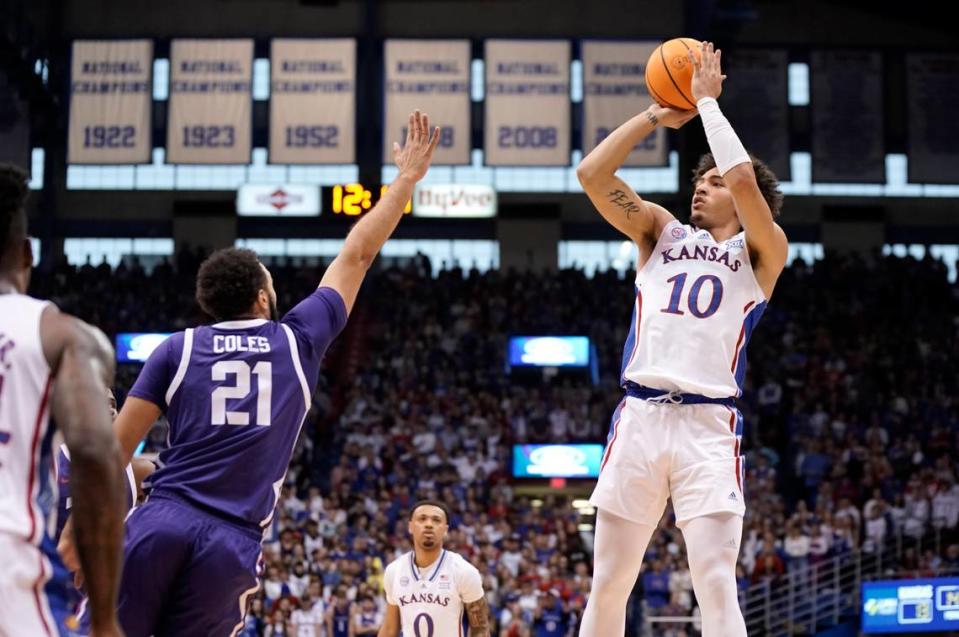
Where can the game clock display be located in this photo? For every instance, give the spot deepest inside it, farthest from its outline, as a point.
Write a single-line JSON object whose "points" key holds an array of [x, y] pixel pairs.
{"points": [[353, 200], [917, 606]]}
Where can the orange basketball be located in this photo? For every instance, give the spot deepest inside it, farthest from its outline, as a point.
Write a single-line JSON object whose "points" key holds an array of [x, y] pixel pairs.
{"points": [[669, 74]]}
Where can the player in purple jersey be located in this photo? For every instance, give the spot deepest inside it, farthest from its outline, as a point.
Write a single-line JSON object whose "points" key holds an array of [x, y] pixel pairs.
{"points": [[136, 472], [235, 394]]}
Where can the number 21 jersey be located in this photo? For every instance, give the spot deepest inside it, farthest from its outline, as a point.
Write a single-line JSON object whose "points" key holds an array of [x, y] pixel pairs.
{"points": [[697, 303], [235, 394]]}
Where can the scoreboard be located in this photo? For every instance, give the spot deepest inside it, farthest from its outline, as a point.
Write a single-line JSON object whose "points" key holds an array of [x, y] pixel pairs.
{"points": [[916, 606]]}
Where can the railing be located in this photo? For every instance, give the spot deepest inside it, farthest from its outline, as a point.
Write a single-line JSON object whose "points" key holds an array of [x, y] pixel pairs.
{"points": [[806, 600]]}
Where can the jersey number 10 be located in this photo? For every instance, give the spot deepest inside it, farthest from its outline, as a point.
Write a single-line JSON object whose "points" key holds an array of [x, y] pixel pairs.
{"points": [[693, 301], [263, 371]]}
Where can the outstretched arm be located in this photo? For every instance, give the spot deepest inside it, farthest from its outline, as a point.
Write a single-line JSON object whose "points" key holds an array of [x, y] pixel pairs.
{"points": [[764, 237], [346, 273], [82, 363], [641, 221]]}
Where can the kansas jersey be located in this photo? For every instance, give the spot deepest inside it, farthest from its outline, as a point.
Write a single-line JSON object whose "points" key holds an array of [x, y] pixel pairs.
{"points": [[431, 599], [236, 394], [25, 429], [33, 580], [697, 302]]}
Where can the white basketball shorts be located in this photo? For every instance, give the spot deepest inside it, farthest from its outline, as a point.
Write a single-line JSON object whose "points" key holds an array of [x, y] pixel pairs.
{"points": [[655, 451], [32, 591]]}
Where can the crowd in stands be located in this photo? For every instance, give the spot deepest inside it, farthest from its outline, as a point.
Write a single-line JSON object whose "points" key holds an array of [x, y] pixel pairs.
{"points": [[850, 409]]}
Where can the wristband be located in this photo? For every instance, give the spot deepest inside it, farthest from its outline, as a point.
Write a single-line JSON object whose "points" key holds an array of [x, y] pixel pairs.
{"points": [[727, 150]]}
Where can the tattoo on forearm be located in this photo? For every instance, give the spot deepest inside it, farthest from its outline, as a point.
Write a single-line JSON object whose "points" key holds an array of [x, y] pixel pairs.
{"points": [[621, 199], [652, 118], [478, 614]]}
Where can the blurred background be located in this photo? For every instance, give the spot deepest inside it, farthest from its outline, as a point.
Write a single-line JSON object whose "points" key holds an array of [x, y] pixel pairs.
{"points": [[494, 320]]}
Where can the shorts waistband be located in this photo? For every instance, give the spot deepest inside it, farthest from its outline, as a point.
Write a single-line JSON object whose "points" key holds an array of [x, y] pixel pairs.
{"points": [[244, 527], [665, 397]]}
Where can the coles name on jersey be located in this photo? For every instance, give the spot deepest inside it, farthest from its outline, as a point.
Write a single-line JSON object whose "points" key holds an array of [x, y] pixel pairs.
{"points": [[431, 599], [697, 303]]}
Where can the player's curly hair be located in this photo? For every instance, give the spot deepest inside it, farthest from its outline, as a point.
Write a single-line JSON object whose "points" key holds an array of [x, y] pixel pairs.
{"points": [[228, 283], [14, 188], [765, 177], [432, 503]]}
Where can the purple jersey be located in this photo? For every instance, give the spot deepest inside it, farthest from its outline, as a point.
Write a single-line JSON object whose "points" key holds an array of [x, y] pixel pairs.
{"points": [[64, 502], [236, 394]]}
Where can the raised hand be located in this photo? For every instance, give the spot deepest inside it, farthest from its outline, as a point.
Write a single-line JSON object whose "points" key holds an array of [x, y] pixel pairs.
{"points": [[414, 158], [707, 74], [669, 117]]}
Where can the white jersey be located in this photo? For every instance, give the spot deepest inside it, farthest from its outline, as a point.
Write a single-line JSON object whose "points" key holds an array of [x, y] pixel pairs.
{"points": [[32, 580], [27, 487], [697, 302], [431, 599]]}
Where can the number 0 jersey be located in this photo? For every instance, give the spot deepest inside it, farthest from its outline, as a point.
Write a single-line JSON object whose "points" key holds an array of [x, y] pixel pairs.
{"points": [[697, 303], [431, 599]]}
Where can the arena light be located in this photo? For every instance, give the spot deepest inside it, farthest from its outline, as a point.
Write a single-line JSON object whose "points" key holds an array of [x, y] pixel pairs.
{"points": [[278, 200], [549, 351], [580, 504], [557, 461], [136, 347]]}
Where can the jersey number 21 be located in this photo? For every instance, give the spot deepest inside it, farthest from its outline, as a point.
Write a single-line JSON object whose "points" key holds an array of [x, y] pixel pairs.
{"points": [[263, 371]]}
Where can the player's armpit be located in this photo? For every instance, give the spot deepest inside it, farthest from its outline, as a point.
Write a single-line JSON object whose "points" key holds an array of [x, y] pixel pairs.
{"points": [[642, 221], [478, 614], [391, 623]]}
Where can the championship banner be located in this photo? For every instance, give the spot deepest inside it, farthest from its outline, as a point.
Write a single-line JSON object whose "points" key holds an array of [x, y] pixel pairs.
{"points": [[312, 101], [847, 117], [932, 90], [614, 90], [433, 76], [211, 111], [111, 99], [756, 101], [14, 126], [527, 103]]}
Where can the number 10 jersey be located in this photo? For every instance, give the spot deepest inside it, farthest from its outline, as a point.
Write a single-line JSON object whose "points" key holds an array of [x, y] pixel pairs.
{"points": [[697, 303]]}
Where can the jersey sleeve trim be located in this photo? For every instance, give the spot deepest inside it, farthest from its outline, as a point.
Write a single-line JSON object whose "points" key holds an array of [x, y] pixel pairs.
{"points": [[132, 483], [184, 364], [295, 352]]}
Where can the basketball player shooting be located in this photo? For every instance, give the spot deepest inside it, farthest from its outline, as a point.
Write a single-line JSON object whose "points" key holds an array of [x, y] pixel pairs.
{"points": [[429, 588], [235, 394], [700, 290]]}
